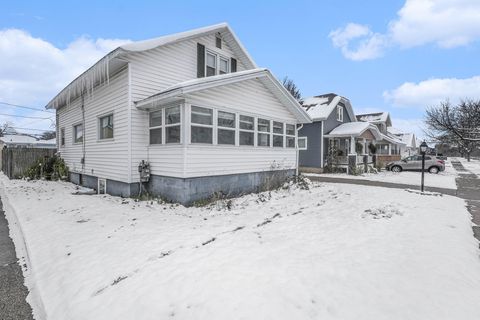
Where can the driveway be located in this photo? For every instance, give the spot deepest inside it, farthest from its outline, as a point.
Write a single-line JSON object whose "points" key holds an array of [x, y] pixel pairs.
{"points": [[13, 292]]}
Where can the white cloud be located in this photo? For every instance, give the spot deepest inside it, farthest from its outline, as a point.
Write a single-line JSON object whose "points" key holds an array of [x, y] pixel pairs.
{"points": [[446, 23], [433, 91], [33, 70], [369, 45]]}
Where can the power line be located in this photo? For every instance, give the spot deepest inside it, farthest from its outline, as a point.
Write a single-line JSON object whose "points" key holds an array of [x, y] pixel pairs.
{"points": [[31, 129], [24, 107], [28, 117]]}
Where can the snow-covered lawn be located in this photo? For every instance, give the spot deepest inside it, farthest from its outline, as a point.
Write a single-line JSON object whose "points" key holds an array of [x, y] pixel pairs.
{"points": [[473, 166], [444, 179], [331, 252]]}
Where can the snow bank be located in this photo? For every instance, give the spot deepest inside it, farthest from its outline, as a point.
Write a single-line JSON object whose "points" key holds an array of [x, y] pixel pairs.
{"points": [[331, 252]]}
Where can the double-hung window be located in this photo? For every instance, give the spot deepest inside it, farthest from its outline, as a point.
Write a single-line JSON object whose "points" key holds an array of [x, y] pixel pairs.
{"points": [[202, 125], [278, 133], [62, 137], [211, 64], [263, 128], [223, 65], [156, 127], [290, 138], [172, 125], [78, 133], [105, 127], [247, 129], [226, 123]]}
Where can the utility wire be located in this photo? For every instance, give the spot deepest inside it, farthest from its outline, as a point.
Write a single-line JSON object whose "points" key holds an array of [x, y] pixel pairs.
{"points": [[30, 129], [28, 117], [24, 107]]}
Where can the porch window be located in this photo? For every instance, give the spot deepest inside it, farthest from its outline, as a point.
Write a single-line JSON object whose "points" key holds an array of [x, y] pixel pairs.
{"points": [[226, 123], [211, 64], [156, 127], [172, 125], [290, 138], [202, 125], [247, 127], [278, 133], [78, 133], [263, 128], [106, 127], [340, 113]]}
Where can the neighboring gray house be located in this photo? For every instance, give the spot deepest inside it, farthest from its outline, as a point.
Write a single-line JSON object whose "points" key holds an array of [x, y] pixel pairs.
{"points": [[183, 116]]}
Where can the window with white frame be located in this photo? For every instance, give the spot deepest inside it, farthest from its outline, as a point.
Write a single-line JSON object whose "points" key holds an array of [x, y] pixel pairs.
{"points": [[263, 135], [226, 123], [278, 133], [290, 135], [302, 143], [340, 113], [247, 130], [62, 137], [211, 64], [202, 125], [156, 127], [78, 133], [223, 65], [105, 126], [172, 125]]}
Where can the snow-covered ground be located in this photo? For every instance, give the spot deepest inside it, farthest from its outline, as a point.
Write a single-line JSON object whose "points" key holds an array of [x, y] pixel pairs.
{"points": [[473, 166], [444, 179], [332, 252]]}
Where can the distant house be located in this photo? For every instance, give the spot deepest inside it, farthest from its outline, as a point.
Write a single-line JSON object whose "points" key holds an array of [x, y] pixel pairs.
{"points": [[25, 141], [389, 144], [184, 116], [410, 140]]}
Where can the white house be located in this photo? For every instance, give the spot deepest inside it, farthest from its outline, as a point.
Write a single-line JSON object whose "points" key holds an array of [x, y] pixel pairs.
{"points": [[193, 105], [410, 140]]}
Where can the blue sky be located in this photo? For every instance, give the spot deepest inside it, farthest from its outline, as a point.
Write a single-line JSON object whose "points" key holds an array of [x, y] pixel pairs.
{"points": [[368, 51]]}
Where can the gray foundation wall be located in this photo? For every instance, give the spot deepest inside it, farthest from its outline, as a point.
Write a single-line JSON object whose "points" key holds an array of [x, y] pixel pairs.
{"points": [[188, 190]]}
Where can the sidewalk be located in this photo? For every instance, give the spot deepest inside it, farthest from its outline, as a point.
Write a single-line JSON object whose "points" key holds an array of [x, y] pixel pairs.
{"points": [[469, 189], [12, 289], [319, 178]]}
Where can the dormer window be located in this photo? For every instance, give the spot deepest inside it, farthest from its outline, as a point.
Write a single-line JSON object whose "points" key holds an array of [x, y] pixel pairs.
{"points": [[339, 113]]}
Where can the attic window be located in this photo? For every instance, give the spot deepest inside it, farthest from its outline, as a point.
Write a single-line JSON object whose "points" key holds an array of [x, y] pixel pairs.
{"points": [[218, 42], [339, 113]]}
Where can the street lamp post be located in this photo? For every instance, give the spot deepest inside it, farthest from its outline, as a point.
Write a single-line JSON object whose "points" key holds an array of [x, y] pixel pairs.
{"points": [[423, 150]]}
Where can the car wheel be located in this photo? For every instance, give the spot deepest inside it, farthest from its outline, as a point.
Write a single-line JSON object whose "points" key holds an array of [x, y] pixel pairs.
{"points": [[433, 170], [396, 169]]}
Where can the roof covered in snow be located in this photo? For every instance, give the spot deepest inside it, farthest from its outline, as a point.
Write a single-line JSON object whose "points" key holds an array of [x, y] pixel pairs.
{"points": [[377, 117], [408, 138], [320, 107], [26, 140], [178, 90], [100, 72], [354, 129]]}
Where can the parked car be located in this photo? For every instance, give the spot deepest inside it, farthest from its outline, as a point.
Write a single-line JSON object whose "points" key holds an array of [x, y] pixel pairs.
{"points": [[414, 163]]}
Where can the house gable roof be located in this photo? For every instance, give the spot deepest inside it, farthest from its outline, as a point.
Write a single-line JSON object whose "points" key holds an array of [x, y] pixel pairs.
{"points": [[376, 117], [320, 107], [100, 72], [264, 75]]}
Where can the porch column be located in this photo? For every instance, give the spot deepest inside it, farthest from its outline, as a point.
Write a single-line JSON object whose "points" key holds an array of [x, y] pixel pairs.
{"points": [[389, 149], [365, 146], [352, 145]]}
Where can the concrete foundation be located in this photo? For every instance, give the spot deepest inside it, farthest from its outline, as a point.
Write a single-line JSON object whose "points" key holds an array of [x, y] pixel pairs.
{"points": [[188, 190]]}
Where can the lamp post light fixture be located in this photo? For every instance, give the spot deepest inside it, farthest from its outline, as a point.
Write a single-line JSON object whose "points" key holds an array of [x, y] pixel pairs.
{"points": [[423, 150]]}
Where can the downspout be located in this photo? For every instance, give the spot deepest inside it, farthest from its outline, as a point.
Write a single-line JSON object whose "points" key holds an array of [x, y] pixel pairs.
{"points": [[84, 135], [297, 151]]}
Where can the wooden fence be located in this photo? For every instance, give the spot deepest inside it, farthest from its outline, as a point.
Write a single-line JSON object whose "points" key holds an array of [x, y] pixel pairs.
{"points": [[15, 161]]}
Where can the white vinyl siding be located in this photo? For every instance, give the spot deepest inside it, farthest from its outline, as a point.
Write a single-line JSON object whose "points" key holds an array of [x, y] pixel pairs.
{"points": [[107, 159]]}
